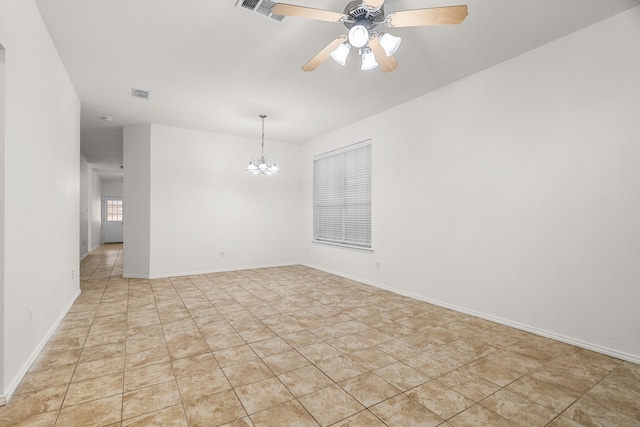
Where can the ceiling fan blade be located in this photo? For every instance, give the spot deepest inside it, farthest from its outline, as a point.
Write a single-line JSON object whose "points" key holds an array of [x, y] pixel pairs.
{"points": [[386, 63], [323, 54], [431, 16], [284, 9], [373, 4]]}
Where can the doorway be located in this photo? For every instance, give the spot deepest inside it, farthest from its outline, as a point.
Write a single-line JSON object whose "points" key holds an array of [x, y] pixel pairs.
{"points": [[112, 220]]}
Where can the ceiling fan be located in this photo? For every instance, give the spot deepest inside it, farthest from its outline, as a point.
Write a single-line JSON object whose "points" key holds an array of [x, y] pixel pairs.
{"points": [[361, 17]]}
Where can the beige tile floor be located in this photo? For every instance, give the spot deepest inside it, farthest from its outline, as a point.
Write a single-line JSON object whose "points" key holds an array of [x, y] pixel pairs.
{"points": [[294, 346]]}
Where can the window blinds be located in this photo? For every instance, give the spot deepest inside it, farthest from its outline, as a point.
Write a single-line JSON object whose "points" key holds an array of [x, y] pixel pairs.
{"points": [[342, 196]]}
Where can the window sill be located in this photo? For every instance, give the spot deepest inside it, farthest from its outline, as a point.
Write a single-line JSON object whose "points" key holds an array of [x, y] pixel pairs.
{"points": [[348, 247]]}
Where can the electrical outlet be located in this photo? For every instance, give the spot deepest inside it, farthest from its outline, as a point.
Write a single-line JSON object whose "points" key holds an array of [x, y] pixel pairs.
{"points": [[221, 254], [377, 265], [30, 314], [73, 274]]}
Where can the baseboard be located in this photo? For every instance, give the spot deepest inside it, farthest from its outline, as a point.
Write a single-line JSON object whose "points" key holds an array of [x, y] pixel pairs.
{"points": [[13, 385], [568, 340], [195, 273]]}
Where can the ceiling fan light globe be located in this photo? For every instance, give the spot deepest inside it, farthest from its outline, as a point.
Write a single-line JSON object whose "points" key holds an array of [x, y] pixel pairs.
{"points": [[340, 54], [389, 43], [368, 61], [358, 36]]}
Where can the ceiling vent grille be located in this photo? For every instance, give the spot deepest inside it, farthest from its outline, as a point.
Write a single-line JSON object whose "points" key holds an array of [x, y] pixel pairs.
{"points": [[139, 93], [260, 7]]}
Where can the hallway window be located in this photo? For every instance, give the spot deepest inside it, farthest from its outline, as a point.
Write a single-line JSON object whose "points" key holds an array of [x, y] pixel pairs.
{"points": [[114, 210], [342, 196]]}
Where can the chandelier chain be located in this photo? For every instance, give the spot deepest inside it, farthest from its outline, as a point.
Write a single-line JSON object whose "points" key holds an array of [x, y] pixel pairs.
{"points": [[262, 116]]}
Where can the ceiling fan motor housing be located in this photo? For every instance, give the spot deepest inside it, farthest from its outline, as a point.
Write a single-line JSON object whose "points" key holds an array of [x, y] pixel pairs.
{"points": [[359, 14]]}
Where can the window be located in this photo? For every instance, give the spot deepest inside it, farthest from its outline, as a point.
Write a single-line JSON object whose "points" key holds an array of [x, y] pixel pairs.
{"points": [[114, 210], [342, 196]]}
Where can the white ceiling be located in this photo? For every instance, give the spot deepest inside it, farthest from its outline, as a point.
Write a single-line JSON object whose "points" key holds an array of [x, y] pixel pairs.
{"points": [[215, 67]]}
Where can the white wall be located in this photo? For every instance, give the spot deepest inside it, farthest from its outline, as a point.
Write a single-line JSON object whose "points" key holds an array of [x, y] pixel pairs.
{"points": [[84, 207], [136, 199], [41, 189], [203, 202], [514, 193], [2, 181], [112, 187], [95, 209]]}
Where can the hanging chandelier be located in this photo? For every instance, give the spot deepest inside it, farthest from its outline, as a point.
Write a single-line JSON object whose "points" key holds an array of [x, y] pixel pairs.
{"points": [[260, 165]]}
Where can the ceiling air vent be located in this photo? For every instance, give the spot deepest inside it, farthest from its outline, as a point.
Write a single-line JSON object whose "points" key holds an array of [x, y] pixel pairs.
{"points": [[139, 93], [260, 7]]}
